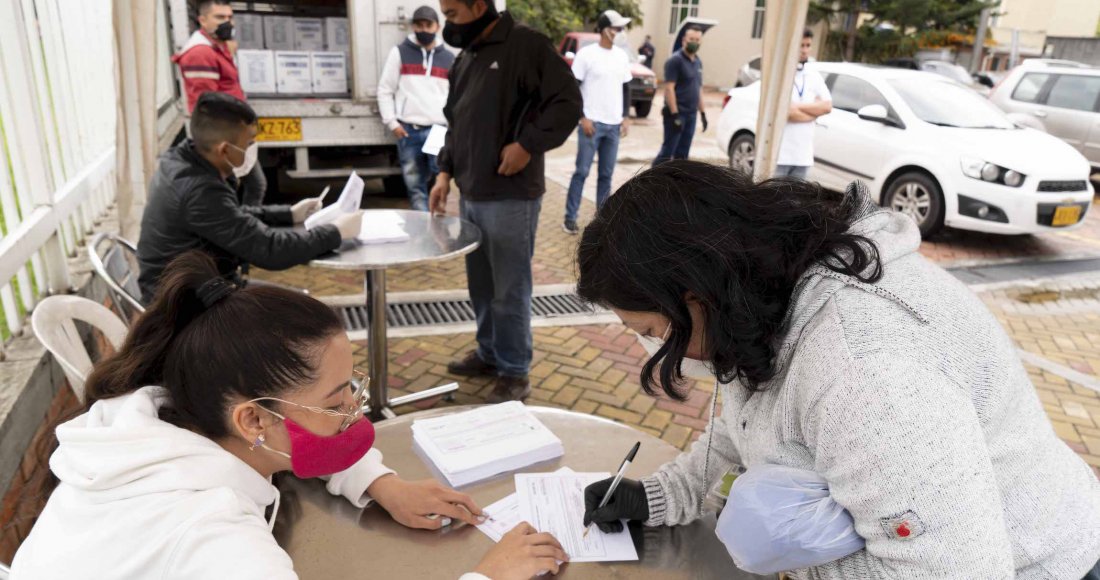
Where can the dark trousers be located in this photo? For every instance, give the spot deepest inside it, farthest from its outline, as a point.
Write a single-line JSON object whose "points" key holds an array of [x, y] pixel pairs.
{"points": [[499, 276], [677, 143]]}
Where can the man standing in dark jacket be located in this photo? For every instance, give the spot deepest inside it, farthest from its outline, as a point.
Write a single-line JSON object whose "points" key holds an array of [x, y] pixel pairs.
{"points": [[512, 99], [193, 206]]}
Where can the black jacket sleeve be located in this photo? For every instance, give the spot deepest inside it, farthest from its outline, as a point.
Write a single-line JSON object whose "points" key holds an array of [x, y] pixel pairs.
{"points": [[558, 106], [272, 215], [217, 218], [444, 162]]}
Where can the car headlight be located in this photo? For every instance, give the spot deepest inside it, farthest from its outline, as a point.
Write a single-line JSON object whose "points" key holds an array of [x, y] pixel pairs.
{"points": [[991, 172]]}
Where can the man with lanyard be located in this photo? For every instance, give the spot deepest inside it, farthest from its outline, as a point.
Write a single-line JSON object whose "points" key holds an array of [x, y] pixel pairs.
{"points": [[206, 63], [683, 95], [810, 99], [603, 71], [415, 75], [512, 99]]}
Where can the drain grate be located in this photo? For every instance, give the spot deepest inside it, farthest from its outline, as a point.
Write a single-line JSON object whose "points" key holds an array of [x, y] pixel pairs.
{"points": [[429, 313]]}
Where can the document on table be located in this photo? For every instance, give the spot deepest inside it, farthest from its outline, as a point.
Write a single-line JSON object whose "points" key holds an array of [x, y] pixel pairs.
{"points": [[349, 201], [435, 140], [382, 227], [505, 514], [554, 502]]}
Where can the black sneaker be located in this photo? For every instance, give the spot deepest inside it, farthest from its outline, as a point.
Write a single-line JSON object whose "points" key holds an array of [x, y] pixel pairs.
{"points": [[570, 227]]}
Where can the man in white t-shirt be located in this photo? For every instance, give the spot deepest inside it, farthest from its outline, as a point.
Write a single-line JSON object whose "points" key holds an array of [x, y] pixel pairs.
{"points": [[810, 99], [603, 71]]}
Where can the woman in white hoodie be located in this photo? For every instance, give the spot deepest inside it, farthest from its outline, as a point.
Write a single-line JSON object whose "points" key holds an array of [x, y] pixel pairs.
{"points": [[174, 481]]}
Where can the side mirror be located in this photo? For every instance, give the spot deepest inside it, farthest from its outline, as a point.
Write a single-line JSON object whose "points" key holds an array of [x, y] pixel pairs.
{"points": [[878, 114], [570, 55], [984, 80]]}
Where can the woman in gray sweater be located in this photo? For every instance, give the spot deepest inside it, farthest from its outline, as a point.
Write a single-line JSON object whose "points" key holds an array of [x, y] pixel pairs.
{"points": [[838, 349]]}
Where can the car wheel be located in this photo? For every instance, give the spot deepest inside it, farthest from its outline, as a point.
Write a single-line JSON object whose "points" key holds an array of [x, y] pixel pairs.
{"points": [[743, 153], [641, 108], [919, 197]]}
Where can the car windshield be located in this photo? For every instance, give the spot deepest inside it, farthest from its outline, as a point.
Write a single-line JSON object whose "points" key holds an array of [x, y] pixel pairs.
{"points": [[951, 71], [949, 104]]}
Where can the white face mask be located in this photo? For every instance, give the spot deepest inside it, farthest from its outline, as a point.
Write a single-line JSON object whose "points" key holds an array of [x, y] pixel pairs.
{"points": [[250, 156], [689, 367]]}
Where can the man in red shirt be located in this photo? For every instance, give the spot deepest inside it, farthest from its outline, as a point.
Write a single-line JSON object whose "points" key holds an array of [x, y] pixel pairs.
{"points": [[206, 63]]}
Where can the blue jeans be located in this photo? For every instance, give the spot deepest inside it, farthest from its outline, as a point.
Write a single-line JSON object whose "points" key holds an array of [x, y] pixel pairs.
{"points": [[499, 276], [417, 167], [677, 143], [606, 141], [796, 171]]}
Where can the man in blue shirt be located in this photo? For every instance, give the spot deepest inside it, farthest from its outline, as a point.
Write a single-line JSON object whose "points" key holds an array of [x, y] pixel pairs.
{"points": [[683, 93]]}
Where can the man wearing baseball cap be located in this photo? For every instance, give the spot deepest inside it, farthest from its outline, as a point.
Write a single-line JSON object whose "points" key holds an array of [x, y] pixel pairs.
{"points": [[603, 71], [415, 75]]}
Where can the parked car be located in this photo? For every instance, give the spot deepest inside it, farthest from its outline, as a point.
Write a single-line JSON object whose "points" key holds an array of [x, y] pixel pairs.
{"points": [[644, 84], [943, 68], [1063, 101], [749, 73], [931, 148], [1055, 62]]}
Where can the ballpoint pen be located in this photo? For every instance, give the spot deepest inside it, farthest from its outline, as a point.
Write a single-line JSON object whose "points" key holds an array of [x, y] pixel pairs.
{"points": [[324, 193], [615, 482]]}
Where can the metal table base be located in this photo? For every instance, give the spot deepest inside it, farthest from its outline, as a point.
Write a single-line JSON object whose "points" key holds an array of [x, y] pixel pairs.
{"points": [[380, 406]]}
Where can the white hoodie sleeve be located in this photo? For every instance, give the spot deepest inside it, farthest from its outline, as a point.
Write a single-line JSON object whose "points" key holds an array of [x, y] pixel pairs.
{"points": [[353, 482], [387, 89]]}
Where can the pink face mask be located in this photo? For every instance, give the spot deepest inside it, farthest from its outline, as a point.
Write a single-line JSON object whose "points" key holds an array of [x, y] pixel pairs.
{"points": [[313, 455]]}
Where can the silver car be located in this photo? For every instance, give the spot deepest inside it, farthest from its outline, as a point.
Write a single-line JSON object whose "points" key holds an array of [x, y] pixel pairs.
{"points": [[1063, 101]]}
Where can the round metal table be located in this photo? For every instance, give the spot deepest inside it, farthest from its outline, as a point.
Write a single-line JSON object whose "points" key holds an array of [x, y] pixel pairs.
{"points": [[329, 538], [431, 239]]}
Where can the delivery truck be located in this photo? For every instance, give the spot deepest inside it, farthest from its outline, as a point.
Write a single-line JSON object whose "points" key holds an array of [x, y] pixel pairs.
{"points": [[310, 69]]}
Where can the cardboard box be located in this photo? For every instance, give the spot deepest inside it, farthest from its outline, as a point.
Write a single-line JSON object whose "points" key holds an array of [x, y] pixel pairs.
{"points": [[330, 72], [250, 30], [279, 33], [292, 76], [309, 34], [336, 34], [257, 71]]}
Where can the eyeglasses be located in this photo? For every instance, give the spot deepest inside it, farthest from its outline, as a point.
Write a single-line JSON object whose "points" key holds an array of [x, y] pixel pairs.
{"points": [[359, 393]]}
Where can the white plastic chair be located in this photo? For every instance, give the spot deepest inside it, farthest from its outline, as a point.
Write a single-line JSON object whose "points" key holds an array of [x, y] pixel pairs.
{"points": [[118, 267], [53, 324]]}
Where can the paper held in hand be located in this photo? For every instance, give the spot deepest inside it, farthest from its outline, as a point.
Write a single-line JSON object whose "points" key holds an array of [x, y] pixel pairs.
{"points": [[379, 227], [478, 444]]}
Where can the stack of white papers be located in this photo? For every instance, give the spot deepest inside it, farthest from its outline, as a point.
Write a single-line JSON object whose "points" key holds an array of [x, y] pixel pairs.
{"points": [[478, 444], [554, 502], [382, 227]]}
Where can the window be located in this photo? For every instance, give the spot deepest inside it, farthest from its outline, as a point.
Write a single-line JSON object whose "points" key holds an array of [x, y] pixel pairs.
{"points": [[949, 104], [1074, 92], [852, 94], [1029, 88], [681, 10], [758, 20]]}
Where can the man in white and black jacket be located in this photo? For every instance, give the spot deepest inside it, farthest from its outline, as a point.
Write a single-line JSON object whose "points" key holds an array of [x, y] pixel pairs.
{"points": [[411, 96], [512, 99]]}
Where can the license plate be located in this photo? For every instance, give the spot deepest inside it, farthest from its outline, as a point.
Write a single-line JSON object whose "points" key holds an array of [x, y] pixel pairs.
{"points": [[1066, 215], [280, 129]]}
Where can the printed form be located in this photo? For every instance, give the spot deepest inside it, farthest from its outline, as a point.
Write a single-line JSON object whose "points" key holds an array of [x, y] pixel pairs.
{"points": [[554, 502]]}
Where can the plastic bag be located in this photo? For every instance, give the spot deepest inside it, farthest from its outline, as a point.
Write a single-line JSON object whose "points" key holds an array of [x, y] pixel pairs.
{"points": [[780, 518]]}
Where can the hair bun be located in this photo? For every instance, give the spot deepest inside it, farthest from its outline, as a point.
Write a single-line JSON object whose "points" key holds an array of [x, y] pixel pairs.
{"points": [[214, 290]]}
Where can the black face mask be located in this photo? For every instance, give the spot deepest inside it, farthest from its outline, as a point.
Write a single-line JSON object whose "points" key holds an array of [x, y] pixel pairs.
{"points": [[463, 35], [224, 31], [425, 38]]}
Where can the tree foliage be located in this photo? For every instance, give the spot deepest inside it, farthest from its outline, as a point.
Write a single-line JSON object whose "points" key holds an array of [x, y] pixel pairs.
{"points": [[555, 18]]}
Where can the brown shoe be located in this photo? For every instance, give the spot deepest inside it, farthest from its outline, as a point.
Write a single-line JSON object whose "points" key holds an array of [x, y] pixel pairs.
{"points": [[472, 366], [509, 389]]}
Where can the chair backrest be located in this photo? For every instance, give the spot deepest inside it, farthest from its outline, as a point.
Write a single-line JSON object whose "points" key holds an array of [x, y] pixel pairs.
{"points": [[117, 265], [53, 324]]}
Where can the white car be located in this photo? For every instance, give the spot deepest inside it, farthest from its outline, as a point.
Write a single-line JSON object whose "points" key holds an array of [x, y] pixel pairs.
{"points": [[930, 148]]}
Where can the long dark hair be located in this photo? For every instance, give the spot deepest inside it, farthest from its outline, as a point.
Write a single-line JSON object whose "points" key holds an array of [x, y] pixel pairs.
{"points": [[736, 246], [258, 341]]}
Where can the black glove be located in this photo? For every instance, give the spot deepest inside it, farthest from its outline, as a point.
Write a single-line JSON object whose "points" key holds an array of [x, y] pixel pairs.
{"points": [[704, 117], [629, 501], [677, 123]]}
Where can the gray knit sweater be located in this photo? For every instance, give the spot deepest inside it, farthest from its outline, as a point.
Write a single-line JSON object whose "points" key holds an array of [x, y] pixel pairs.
{"points": [[910, 400]]}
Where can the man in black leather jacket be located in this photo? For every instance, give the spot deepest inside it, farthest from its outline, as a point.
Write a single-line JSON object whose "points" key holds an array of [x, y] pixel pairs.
{"points": [[192, 204]]}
